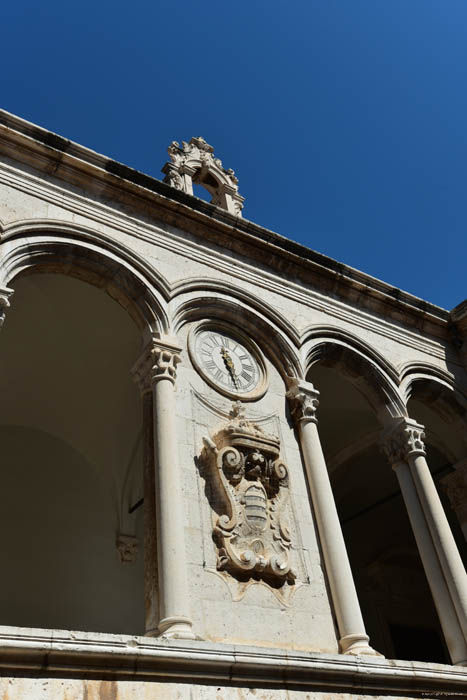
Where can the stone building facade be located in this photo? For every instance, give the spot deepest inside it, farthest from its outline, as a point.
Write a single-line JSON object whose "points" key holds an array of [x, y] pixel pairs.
{"points": [[232, 467]]}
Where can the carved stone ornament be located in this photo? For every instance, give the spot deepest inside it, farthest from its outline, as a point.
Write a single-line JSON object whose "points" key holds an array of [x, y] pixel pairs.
{"points": [[194, 162], [404, 440], [250, 485], [127, 546], [303, 401], [158, 360]]}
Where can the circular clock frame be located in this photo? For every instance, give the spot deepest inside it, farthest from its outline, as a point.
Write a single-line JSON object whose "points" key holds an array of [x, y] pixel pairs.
{"points": [[244, 342]]}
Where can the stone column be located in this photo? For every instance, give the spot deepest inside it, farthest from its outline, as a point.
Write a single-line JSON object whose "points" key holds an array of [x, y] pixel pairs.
{"points": [[5, 294], [151, 593], [396, 449], [159, 363], [303, 401], [411, 435]]}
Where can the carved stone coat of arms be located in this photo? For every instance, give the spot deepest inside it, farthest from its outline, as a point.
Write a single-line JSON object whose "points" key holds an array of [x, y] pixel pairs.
{"points": [[249, 487]]}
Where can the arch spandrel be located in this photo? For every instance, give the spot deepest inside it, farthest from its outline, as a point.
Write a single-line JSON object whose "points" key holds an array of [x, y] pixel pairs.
{"points": [[272, 333], [367, 369], [29, 247]]}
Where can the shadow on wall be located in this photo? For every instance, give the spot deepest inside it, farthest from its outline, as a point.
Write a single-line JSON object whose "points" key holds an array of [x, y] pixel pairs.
{"points": [[61, 567]]}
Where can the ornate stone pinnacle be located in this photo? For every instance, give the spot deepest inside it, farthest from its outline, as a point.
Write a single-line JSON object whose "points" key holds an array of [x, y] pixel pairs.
{"points": [[194, 162], [303, 401], [403, 440]]}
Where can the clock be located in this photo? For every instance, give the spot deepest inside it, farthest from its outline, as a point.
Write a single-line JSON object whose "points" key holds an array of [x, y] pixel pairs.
{"points": [[228, 361]]}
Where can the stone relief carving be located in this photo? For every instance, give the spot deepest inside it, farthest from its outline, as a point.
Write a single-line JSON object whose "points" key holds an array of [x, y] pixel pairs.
{"points": [[194, 162], [127, 546], [250, 487], [405, 439]]}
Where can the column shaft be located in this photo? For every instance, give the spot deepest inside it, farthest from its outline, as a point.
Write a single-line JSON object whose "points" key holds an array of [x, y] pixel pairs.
{"points": [[447, 614], [353, 637], [449, 557], [173, 586], [151, 594], [156, 373]]}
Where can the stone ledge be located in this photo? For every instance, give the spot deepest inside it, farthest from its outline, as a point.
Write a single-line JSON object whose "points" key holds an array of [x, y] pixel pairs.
{"points": [[84, 654], [50, 153]]}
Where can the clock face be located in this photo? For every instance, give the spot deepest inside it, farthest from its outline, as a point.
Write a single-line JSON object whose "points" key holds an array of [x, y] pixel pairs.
{"points": [[228, 363]]}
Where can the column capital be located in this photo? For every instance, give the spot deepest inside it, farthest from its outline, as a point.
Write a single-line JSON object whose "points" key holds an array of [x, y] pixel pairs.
{"points": [[158, 360], [5, 294], [405, 438], [303, 401]]}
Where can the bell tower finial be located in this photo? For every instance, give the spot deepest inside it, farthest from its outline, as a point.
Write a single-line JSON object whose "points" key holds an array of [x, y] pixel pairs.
{"points": [[194, 162]]}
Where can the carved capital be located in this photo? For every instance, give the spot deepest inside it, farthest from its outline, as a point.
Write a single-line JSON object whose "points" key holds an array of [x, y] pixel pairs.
{"points": [[158, 360], [303, 401], [5, 294], [403, 440]]}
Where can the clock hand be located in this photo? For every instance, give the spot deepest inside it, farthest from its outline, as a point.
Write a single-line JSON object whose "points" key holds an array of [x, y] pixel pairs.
{"points": [[230, 365]]}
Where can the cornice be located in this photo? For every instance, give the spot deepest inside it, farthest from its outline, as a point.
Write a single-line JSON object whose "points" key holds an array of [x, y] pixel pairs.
{"points": [[141, 658], [199, 252], [82, 167]]}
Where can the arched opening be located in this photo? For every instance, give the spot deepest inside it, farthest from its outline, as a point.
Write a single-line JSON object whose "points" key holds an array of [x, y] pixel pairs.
{"points": [[395, 599], [436, 407], [70, 427]]}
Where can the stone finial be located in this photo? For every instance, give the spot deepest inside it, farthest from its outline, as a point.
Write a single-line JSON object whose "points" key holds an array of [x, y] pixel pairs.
{"points": [[194, 162], [403, 440]]}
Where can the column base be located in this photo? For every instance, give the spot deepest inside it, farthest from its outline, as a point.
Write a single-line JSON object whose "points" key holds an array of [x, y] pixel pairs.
{"points": [[357, 645], [176, 628]]}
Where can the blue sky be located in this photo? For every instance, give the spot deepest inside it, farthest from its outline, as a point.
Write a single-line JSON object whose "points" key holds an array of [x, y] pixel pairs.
{"points": [[345, 120]]}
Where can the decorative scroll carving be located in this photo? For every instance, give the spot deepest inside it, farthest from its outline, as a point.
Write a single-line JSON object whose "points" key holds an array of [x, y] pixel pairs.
{"points": [[195, 162], [127, 546], [303, 401], [250, 485], [404, 441]]}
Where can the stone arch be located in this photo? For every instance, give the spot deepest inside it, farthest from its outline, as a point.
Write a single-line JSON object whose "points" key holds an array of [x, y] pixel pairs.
{"points": [[59, 247], [436, 390], [271, 332], [437, 385], [81, 396], [369, 371]]}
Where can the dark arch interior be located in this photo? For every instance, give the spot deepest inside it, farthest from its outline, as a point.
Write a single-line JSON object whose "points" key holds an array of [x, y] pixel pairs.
{"points": [[396, 602], [70, 427]]}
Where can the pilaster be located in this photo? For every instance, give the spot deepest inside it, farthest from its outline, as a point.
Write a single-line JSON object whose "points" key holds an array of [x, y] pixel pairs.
{"points": [[156, 372]]}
